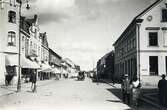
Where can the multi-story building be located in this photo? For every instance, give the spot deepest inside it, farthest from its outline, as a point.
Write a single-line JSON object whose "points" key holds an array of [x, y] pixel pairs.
{"points": [[105, 66], [141, 50], [55, 62], [44, 48], [54, 59], [9, 41], [30, 45], [69, 68], [45, 67]]}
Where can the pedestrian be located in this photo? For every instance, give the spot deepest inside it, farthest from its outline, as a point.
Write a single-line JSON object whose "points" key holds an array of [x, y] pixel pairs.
{"points": [[162, 84], [33, 81], [126, 89], [135, 91]]}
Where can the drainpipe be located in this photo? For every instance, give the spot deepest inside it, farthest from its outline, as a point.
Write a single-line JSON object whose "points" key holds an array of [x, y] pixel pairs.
{"points": [[138, 24]]}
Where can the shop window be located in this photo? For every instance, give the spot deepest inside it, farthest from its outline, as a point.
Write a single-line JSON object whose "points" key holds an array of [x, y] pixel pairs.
{"points": [[11, 38], [12, 16], [153, 39], [164, 15]]}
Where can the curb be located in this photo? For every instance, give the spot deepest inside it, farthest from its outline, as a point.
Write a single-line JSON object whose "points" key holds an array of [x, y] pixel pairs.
{"points": [[107, 83]]}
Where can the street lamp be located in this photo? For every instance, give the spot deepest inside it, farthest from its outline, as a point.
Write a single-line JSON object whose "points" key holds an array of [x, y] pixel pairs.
{"points": [[19, 66]]}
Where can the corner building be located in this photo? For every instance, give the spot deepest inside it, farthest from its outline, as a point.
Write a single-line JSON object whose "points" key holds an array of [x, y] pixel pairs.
{"points": [[9, 41], [141, 50]]}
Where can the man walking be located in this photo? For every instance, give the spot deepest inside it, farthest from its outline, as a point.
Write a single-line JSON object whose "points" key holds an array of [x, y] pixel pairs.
{"points": [[162, 84], [33, 80]]}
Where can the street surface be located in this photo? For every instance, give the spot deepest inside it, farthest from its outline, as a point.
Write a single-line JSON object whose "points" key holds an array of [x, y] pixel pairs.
{"points": [[64, 94]]}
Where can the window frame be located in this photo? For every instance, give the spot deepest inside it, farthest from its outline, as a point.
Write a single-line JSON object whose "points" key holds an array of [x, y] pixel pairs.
{"points": [[152, 45], [11, 38], [11, 16], [162, 20]]}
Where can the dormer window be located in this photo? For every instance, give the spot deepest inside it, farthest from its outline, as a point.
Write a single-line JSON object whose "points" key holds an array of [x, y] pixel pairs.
{"points": [[164, 15], [12, 16]]}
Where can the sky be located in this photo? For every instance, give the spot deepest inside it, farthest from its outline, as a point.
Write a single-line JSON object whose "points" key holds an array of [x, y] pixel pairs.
{"points": [[84, 30]]}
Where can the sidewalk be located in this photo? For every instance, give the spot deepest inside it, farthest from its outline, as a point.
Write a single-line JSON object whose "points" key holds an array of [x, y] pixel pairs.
{"points": [[149, 94], [7, 90]]}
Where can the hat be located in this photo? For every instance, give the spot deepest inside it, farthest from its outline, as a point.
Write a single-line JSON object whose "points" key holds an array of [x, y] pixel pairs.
{"points": [[126, 75], [163, 76]]}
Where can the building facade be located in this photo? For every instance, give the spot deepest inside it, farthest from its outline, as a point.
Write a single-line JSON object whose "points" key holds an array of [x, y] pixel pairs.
{"points": [[45, 67], [54, 59], [141, 50], [105, 66], [9, 41], [55, 63], [30, 46], [44, 48]]}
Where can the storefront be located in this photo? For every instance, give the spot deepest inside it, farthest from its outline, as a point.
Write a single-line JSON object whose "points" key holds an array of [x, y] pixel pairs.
{"points": [[27, 67], [11, 64], [45, 71]]}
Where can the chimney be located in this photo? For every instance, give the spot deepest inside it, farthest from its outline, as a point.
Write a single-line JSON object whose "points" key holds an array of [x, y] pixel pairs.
{"points": [[35, 17]]}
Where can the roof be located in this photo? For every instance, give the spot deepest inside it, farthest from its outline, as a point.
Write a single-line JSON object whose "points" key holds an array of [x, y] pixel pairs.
{"points": [[54, 53], [27, 23], [136, 19]]}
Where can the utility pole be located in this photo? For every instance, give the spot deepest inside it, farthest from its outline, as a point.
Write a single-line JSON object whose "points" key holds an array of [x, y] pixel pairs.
{"points": [[19, 55], [19, 66]]}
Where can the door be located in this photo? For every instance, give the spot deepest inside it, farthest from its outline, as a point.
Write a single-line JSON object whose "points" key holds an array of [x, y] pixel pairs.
{"points": [[153, 60]]}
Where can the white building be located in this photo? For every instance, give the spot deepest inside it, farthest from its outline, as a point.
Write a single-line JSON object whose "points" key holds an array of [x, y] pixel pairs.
{"points": [[141, 50], [9, 40]]}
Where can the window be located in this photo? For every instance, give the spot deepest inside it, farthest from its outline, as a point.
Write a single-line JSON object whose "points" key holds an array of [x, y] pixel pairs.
{"points": [[18, 1], [165, 37], [11, 38], [12, 16], [153, 39], [153, 64], [164, 15], [23, 38]]}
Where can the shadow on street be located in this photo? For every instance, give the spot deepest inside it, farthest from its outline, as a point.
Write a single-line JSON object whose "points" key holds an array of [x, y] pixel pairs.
{"points": [[142, 104]]}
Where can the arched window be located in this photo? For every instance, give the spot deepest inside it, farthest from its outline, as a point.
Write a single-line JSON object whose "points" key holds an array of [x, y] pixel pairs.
{"points": [[11, 38], [12, 16]]}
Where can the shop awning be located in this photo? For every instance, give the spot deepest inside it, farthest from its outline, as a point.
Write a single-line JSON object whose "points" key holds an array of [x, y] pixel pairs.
{"points": [[26, 63], [64, 71], [35, 65], [45, 68], [56, 70], [11, 60]]}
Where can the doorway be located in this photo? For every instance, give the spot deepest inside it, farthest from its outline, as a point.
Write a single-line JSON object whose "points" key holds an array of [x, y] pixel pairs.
{"points": [[153, 62]]}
